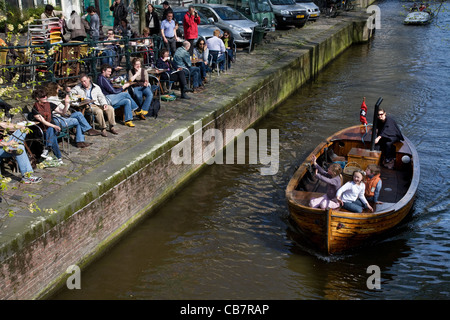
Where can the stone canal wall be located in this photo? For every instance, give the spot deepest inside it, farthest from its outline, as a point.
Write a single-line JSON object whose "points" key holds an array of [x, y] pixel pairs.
{"points": [[98, 208]]}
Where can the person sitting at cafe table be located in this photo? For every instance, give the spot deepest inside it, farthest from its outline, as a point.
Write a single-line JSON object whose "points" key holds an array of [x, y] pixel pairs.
{"points": [[228, 42], [75, 118], [117, 96], [141, 87], [11, 145], [111, 51], [42, 113], [216, 44], [147, 48], [200, 57], [182, 59], [100, 107], [172, 74]]}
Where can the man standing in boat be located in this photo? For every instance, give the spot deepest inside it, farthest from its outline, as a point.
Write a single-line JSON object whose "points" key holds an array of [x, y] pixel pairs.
{"points": [[388, 133]]}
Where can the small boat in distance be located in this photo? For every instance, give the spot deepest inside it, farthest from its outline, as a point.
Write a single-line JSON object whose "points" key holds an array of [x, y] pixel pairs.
{"points": [[333, 231], [419, 16]]}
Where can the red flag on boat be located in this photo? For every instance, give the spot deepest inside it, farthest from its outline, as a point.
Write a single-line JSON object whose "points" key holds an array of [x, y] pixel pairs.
{"points": [[363, 112]]}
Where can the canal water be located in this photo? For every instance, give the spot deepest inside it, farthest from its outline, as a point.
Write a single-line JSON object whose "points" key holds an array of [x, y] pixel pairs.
{"points": [[227, 234]]}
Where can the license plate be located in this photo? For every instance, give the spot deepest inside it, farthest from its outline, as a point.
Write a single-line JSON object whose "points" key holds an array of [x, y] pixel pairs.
{"points": [[313, 15], [300, 16]]}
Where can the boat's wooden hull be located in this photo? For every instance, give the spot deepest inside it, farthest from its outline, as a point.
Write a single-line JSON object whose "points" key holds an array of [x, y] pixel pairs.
{"points": [[336, 231]]}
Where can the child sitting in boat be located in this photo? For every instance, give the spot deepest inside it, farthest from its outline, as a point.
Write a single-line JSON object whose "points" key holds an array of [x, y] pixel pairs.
{"points": [[351, 195], [333, 180], [373, 183]]}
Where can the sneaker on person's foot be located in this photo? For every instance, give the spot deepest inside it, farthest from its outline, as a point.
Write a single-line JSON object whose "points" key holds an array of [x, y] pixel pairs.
{"points": [[60, 161], [31, 180], [45, 154]]}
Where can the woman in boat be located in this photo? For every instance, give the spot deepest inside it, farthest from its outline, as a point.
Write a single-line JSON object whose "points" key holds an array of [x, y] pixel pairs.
{"points": [[373, 183], [333, 180], [351, 195]]}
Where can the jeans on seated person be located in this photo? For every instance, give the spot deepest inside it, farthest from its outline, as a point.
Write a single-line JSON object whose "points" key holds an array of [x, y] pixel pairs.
{"points": [[108, 57], [355, 206], [195, 76], [123, 99], [52, 141], [203, 68], [229, 53], [85, 126], [66, 122], [22, 159], [140, 93]]}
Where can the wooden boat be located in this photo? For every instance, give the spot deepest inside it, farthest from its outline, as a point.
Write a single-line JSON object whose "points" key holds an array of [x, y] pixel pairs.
{"points": [[336, 231]]}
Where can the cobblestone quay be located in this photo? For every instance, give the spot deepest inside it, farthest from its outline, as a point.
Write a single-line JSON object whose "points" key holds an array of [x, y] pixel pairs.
{"points": [[104, 190]]}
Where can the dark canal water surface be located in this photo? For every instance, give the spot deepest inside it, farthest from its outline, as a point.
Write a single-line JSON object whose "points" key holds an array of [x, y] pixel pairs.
{"points": [[227, 234]]}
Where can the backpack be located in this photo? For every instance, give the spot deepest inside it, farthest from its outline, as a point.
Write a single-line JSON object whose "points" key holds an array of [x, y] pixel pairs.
{"points": [[154, 108]]}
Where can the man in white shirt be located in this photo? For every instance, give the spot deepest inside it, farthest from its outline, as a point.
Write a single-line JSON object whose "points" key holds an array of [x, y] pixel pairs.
{"points": [[88, 90], [216, 45]]}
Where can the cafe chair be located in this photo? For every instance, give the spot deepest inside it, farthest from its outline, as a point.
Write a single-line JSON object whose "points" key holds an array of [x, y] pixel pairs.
{"points": [[216, 61]]}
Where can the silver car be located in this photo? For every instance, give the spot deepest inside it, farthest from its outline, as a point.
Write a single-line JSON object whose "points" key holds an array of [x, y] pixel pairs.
{"points": [[311, 7], [227, 18], [287, 12]]}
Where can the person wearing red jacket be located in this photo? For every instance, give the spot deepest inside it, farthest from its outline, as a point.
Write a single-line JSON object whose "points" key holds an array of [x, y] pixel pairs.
{"points": [[190, 25]]}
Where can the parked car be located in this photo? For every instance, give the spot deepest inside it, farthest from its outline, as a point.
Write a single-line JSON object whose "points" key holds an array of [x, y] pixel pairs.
{"points": [[311, 7], [205, 28], [229, 19], [287, 12], [256, 10]]}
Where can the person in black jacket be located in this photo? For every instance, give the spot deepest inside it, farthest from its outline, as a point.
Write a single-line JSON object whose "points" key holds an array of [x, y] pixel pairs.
{"points": [[388, 133], [167, 9], [170, 73], [152, 20], [119, 12]]}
